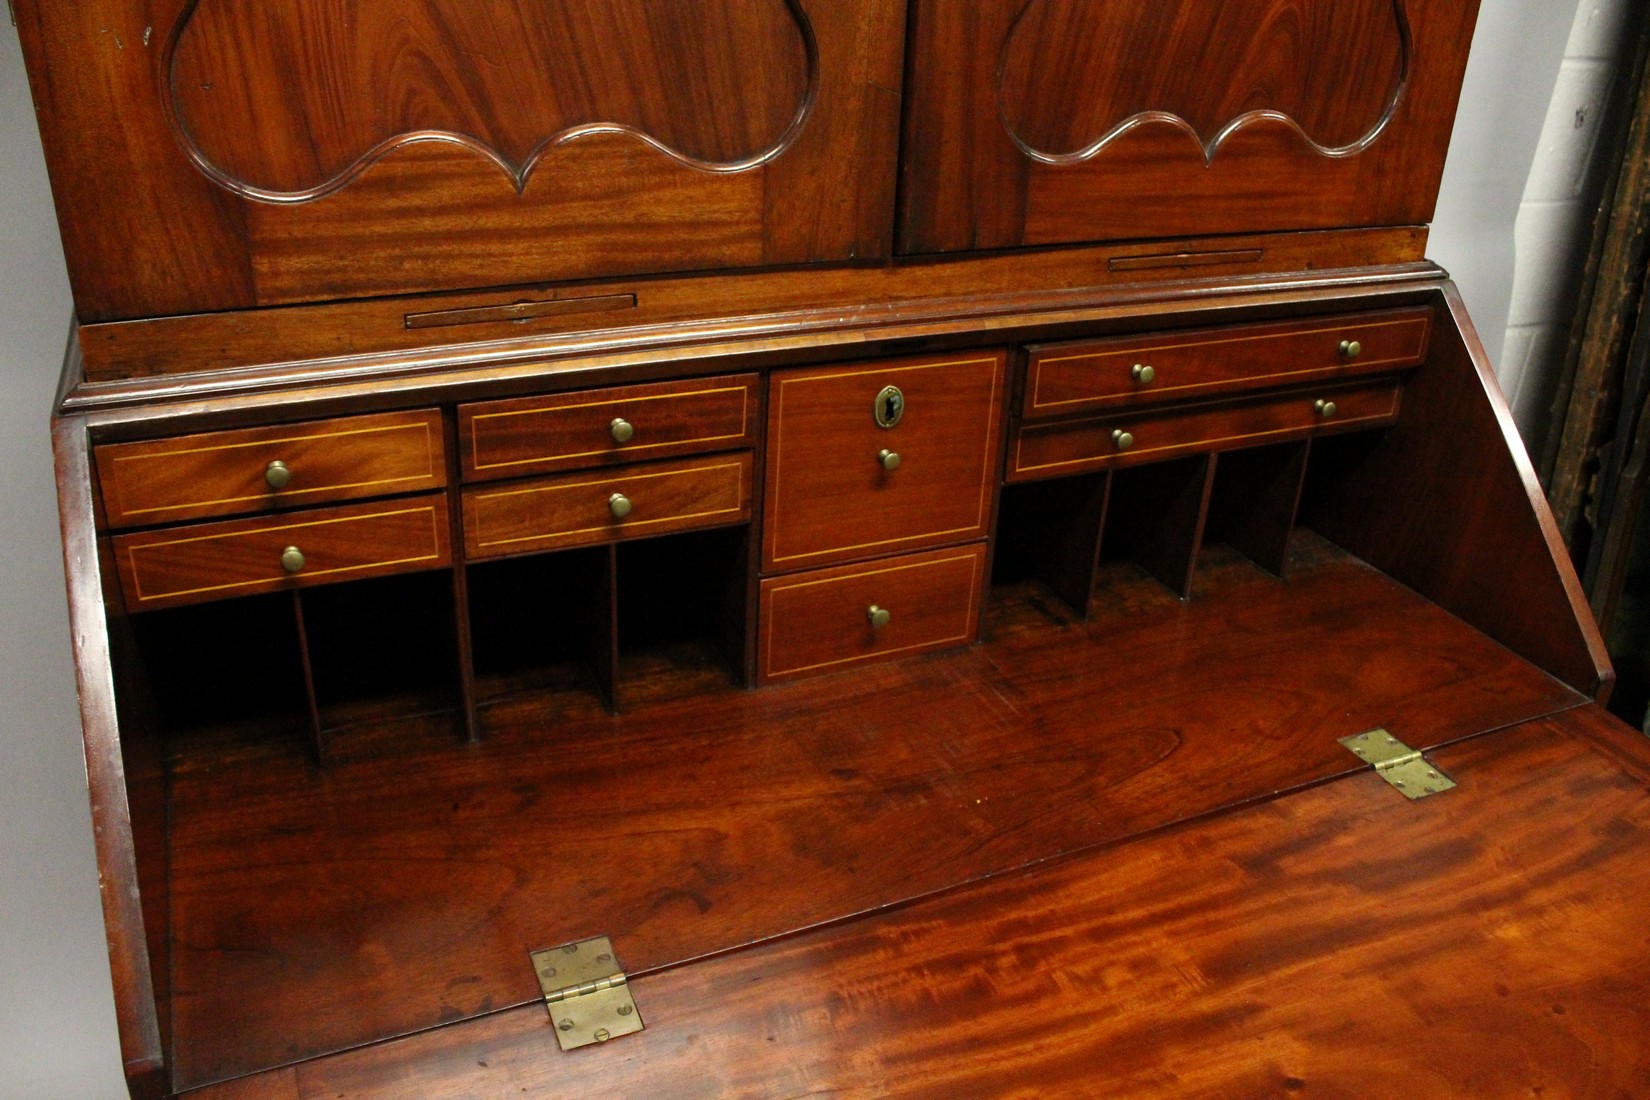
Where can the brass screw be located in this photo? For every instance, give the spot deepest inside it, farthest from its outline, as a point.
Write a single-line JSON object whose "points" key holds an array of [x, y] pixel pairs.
{"points": [[566, 1025], [603, 1035], [625, 1010]]}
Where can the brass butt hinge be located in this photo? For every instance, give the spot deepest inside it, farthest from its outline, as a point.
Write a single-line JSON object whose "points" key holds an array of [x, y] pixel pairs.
{"points": [[587, 994], [1403, 767]]}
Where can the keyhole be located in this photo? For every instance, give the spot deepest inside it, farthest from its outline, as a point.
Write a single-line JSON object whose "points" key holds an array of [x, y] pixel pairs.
{"points": [[889, 407]]}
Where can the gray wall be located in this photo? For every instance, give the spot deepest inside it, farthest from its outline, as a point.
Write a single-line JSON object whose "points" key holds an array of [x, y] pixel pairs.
{"points": [[57, 1036], [57, 1023]]}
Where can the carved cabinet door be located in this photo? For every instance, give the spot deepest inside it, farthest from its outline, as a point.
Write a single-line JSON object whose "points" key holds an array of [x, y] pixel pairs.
{"points": [[1035, 122], [216, 154]]}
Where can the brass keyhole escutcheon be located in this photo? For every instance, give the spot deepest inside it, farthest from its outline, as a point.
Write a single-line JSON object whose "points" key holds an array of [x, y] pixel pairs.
{"points": [[878, 617], [277, 475], [292, 560], [889, 407]]}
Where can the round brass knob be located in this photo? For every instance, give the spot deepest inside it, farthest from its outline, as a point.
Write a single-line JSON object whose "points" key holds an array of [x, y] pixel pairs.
{"points": [[1122, 439], [621, 429], [277, 475], [619, 505], [1351, 349], [292, 560], [1326, 409], [890, 459], [878, 616], [1143, 374]]}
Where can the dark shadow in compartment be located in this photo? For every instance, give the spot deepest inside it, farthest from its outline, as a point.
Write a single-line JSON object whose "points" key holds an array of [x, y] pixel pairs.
{"points": [[1156, 517], [681, 614], [1334, 459], [1048, 532], [225, 672], [544, 623], [383, 653], [1255, 495]]}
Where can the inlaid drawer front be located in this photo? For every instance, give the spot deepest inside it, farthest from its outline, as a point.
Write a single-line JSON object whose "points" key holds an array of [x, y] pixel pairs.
{"points": [[213, 561], [1062, 379], [257, 469], [580, 509], [602, 427], [874, 459], [1074, 446], [820, 620]]}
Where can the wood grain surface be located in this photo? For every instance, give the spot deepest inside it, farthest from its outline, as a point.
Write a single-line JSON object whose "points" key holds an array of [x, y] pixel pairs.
{"points": [[681, 137], [1340, 942], [1232, 131], [316, 911], [820, 620], [830, 499], [1058, 448], [224, 473], [569, 431], [169, 566], [577, 509], [1065, 379]]}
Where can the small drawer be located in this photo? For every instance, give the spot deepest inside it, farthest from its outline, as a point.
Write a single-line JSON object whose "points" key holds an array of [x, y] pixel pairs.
{"points": [[603, 427], [214, 561], [817, 621], [1075, 446], [873, 459], [259, 469], [1063, 379], [594, 507]]}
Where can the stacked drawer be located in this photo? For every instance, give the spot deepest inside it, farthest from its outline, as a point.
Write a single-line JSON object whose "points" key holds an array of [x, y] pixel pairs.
{"points": [[1098, 404], [879, 488], [296, 470], [618, 463]]}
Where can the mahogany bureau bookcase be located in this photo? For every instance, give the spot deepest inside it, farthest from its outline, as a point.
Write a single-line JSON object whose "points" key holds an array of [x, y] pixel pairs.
{"points": [[692, 471]]}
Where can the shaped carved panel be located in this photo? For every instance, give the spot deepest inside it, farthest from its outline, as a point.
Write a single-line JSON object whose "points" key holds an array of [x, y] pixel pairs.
{"points": [[287, 100], [1042, 122], [1077, 74]]}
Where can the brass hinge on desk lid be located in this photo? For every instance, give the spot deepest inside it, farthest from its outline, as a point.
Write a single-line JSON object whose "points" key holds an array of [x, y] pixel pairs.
{"points": [[1403, 767], [586, 992]]}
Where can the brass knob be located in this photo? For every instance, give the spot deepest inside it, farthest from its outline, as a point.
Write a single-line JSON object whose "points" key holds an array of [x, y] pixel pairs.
{"points": [[878, 616], [277, 475], [292, 560], [1326, 409], [1122, 439], [619, 505], [621, 429], [890, 459], [1351, 349], [1143, 374]]}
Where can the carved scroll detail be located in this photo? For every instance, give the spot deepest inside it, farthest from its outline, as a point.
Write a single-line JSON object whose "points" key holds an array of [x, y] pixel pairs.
{"points": [[286, 101], [1077, 75]]}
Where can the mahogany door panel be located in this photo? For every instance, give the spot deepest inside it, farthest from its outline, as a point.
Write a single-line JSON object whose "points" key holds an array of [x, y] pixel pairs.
{"points": [[279, 152], [871, 459], [1051, 121]]}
